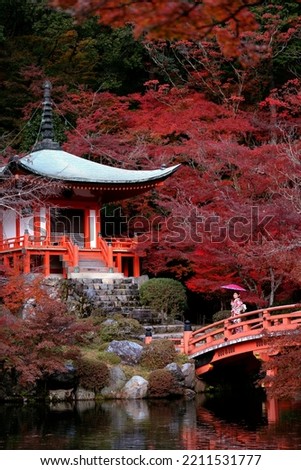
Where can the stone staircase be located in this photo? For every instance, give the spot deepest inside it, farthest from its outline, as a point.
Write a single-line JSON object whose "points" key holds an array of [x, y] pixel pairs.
{"points": [[87, 265], [93, 267], [108, 296]]}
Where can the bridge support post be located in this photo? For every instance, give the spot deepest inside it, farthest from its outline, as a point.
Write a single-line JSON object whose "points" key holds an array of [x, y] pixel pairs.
{"points": [[266, 322], [187, 335], [227, 332], [148, 335], [272, 410]]}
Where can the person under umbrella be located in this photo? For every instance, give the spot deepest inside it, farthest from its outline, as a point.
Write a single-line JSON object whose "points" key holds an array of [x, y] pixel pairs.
{"points": [[237, 307]]}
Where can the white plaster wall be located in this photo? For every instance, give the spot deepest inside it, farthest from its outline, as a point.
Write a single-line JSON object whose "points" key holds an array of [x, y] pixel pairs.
{"points": [[26, 224], [43, 231], [92, 220], [9, 224]]}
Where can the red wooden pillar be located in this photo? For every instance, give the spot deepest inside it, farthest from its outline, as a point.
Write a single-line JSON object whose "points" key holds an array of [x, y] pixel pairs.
{"points": [[227, 330], [110, 257], [18, 227], [36, 226], [119, 263], [46, 264], [26, 254], [26, 262], [136, 267], [266, 322], [75, 257]]}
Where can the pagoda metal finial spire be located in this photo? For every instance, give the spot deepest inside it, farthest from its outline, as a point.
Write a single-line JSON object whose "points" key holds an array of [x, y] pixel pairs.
{"points": [[47, 134]]}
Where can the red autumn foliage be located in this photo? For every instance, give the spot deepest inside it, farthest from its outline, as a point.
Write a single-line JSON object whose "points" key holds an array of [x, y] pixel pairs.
{"points": [[225, 215], [231, 214], [169, 19], [40, 343], [282, 371]]}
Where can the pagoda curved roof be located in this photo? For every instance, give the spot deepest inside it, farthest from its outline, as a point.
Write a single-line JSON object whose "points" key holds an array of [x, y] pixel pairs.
{"points": [[61, 165]]}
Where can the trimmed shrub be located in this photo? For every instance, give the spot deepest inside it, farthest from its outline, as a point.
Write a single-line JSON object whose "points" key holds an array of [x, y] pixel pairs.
{"points": [[92, 375], [221, 315], [120, 328], [158, 354], [165, 296], [161, 383]]}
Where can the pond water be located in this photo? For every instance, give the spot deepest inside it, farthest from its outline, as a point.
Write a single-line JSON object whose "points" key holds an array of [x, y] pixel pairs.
{"points": [[150, 424]]}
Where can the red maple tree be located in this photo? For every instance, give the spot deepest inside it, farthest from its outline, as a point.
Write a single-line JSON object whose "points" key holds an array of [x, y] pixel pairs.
{"points": [[39, 342]]}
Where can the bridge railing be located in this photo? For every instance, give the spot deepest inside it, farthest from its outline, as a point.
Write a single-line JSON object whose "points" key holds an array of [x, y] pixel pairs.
{"points": [[249, 323]]}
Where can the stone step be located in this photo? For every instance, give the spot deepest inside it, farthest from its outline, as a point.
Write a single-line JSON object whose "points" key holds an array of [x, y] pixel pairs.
{"points": [[109, 291], [163, 329], [105, 276], [94, 269], [91, 263], [112, 302], [119, 281]]}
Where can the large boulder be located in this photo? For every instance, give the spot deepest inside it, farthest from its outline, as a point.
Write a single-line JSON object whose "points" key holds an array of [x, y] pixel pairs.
{"points": [[188, 371], [117, 381], [129, 351], [135, 388], [176, 371], [61, 395]]}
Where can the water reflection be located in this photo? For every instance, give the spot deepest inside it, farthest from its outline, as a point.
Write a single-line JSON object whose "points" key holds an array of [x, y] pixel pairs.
{"points": [[143, 424]]}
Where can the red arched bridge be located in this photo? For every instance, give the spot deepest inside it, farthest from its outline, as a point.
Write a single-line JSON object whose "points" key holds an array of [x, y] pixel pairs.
{"points": [[224, 341]]}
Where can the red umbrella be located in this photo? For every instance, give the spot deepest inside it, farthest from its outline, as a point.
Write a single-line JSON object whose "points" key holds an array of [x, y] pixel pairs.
{"points": [[233, 287]]}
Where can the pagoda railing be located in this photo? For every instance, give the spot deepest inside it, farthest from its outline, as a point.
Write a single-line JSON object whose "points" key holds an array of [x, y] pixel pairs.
{"points": [[12, 243], [68, 243], [57, 239], [122, 244], [72, 250], [107, 252]]}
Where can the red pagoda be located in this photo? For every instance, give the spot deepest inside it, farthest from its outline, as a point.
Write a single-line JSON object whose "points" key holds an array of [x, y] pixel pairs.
{"points": [[62, 236]]}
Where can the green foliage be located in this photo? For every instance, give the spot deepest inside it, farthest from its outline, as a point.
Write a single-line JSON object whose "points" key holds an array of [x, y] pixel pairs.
{"points": [[158, 354], [165, 296], [161, 382], [93, 375], [221, 315], [109, 358], [182, 359], [32, 130], [121, 60], [67, 52], [120, 328]]}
